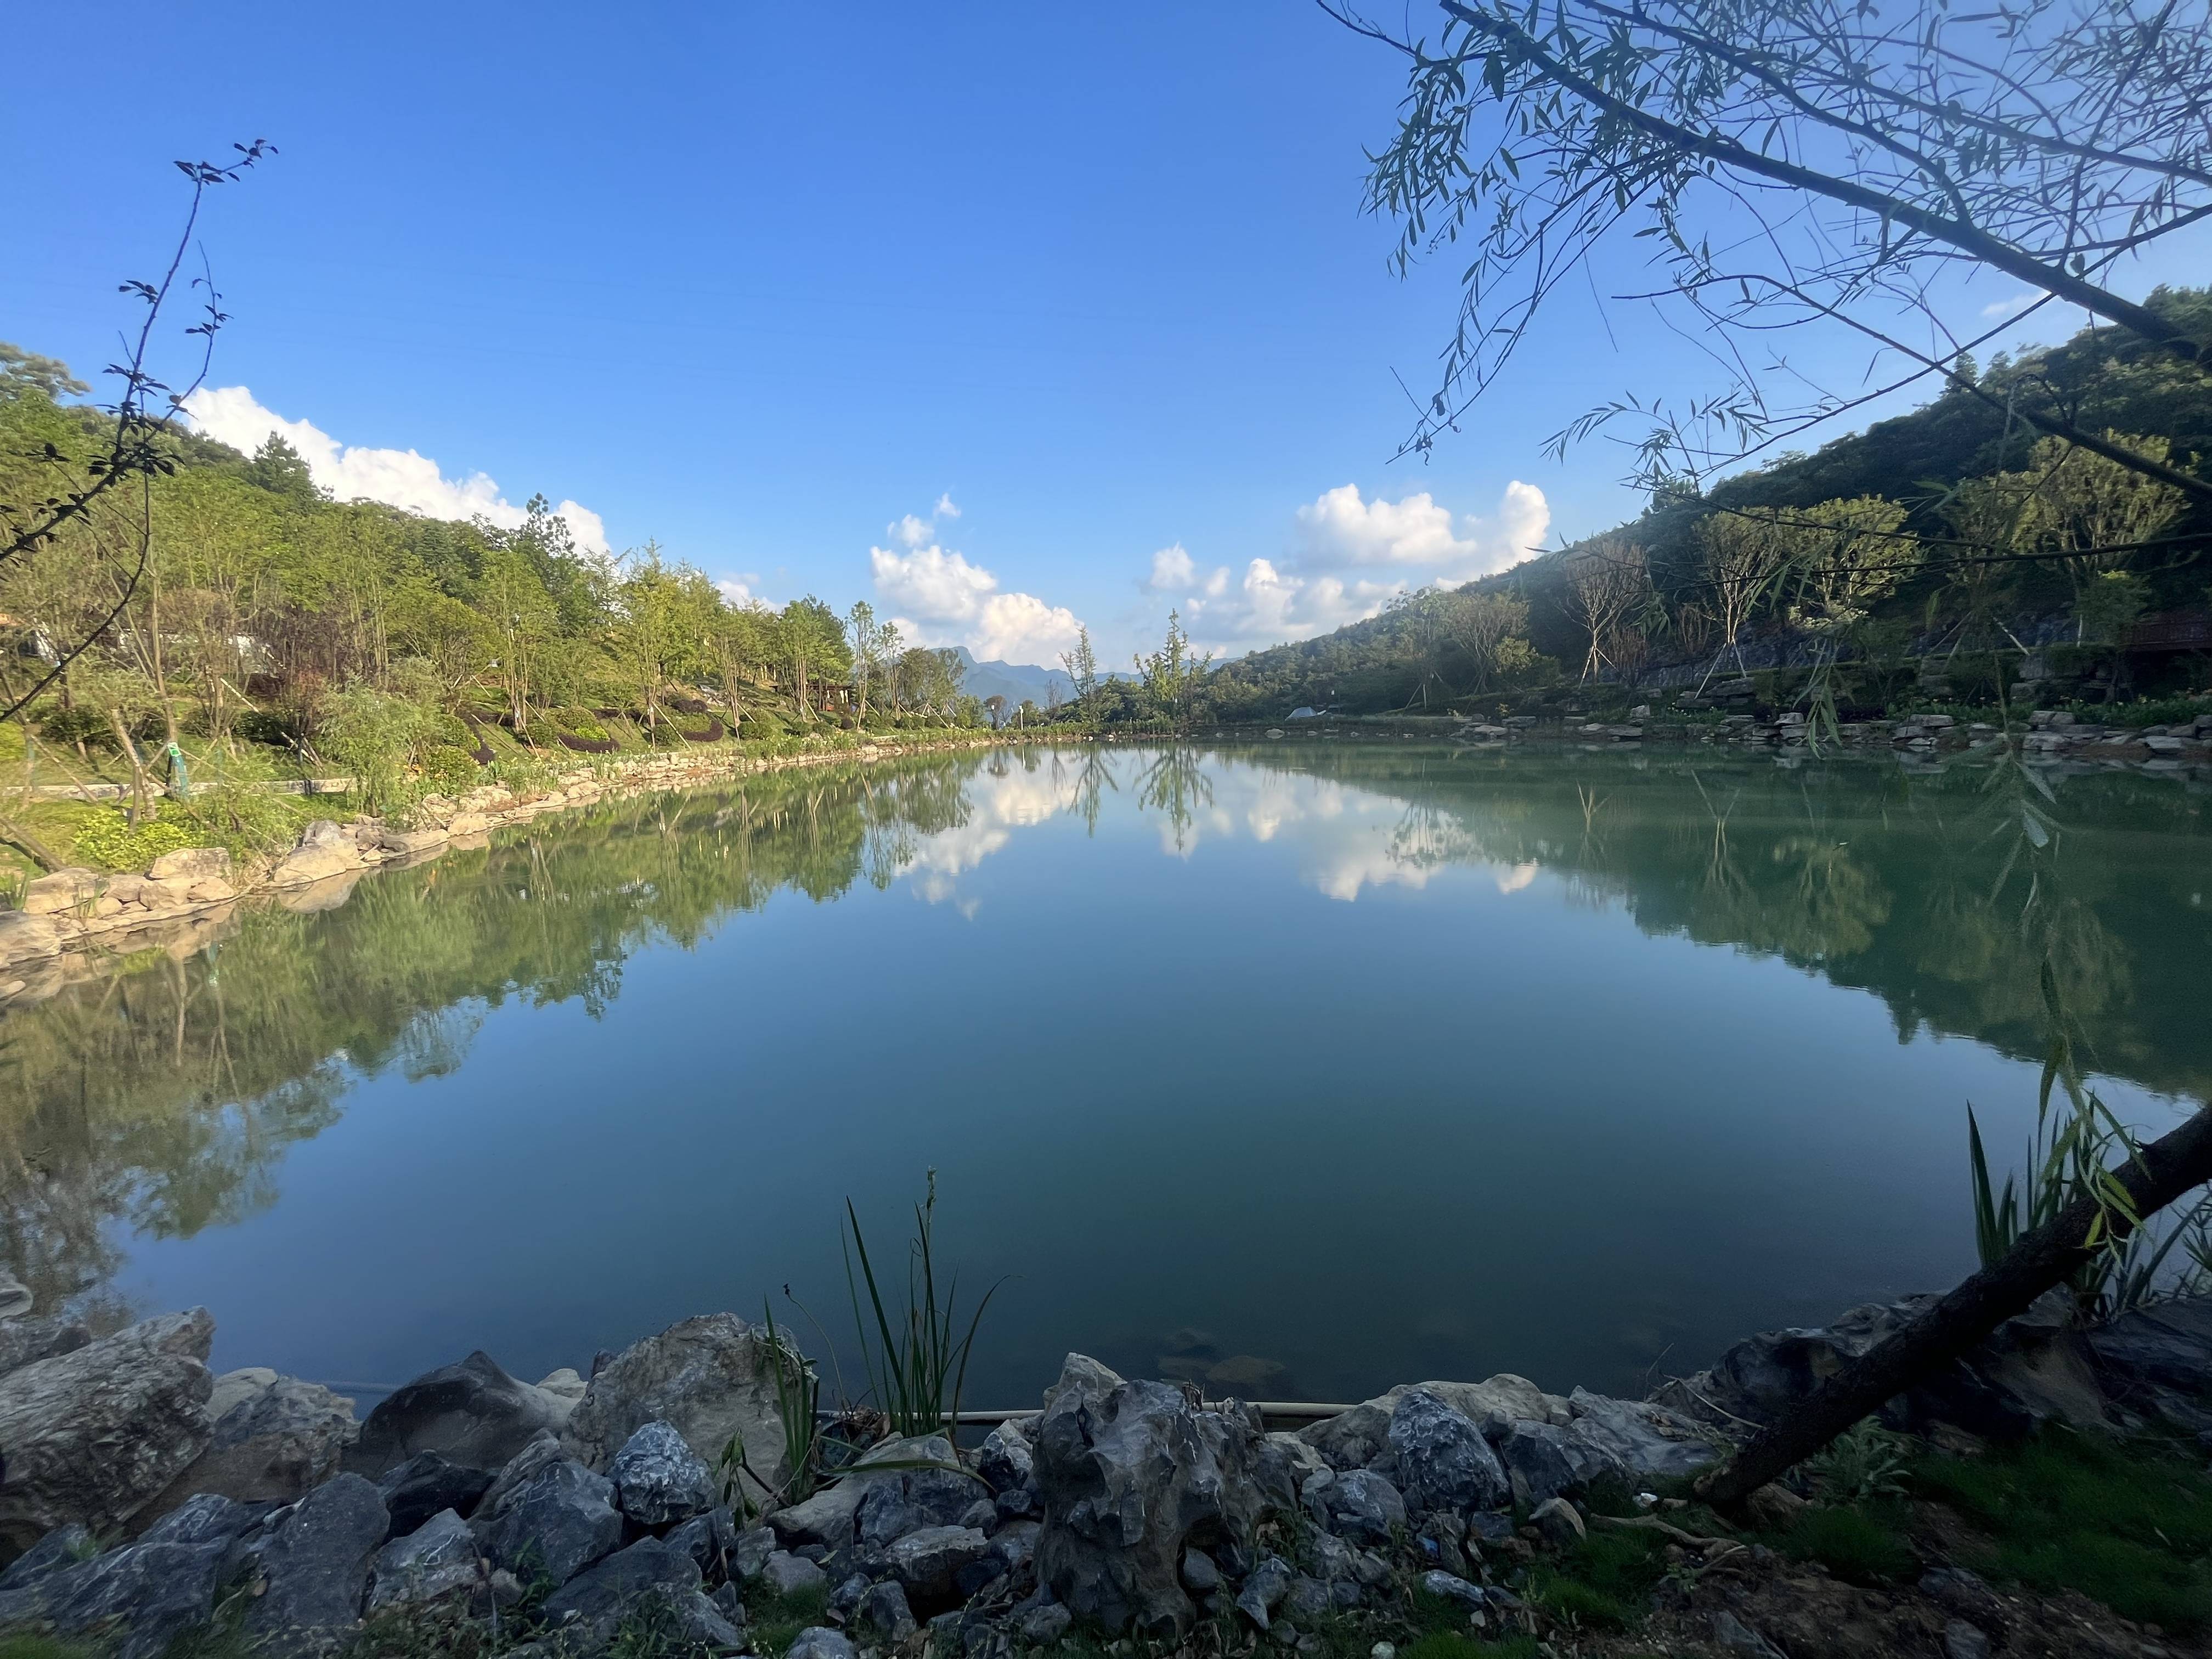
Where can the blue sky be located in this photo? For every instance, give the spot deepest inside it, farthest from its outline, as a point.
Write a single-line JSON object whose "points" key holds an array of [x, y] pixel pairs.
{"points": [[998, 315]]}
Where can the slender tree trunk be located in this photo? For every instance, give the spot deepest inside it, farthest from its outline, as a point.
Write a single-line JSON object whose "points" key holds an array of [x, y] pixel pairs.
{"points": [[2170, 1166], [138, 767]]}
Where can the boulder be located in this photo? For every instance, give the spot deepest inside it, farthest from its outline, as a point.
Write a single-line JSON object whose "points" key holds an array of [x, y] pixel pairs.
{"points": [[896, 1505], [312, 862], [792, 1574], [427, 1483], [1650, 1442], [554, 1525], [1132, 1474], [207, 1518], [314, 1566], [589, 1608], [1545, 1461], [275, 1439], [438, 1559], [63, 891], [19, 1585], [709, 1378], [929, 1561], [1265, 1587], [1361, 1437], [1358, 1504], [1559, 1521], [830, 1516], [1442, 1459], [472, 1413], [411, 843], [659, 1479], [28, 937], [712, 1541], [819, 1642], [1005, 1460], [26, 1341], [142, 1598], [94, 1435], [2035, 1368], [884, 1613], [2166, 1346], [192, 863]]}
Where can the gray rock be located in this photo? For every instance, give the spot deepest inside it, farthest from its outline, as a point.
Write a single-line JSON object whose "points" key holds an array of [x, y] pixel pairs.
{"points": [[927, 1562], [1129, 1472], [276, 1439], [1265, 1587], [983, 1515], [1963, 1594], [473, 1413], [1964, 1641], [1286, 1464], [437, 1559], [1650, 1442], [788, 1574], [144, 1596], [1443, 1460], [709, 1378], [830, 1517], [1013, 1546], [205, 1518], [1559, 1521], [1357, 1505], [315, 1562], [1546, 1462], [426, 1483], [1020, 1503], [62, 1548], [659, 1478], [896, 1505], [1359, 1438], [1309, 1598], [26, 1341], [95, 1434], [589, 1608], [1200, 1576], [847, 1596], [820, 1642], [712, 1541], [2035, 1368], [1006, 1461], [1040, 1627], [749, 1557], [1738, 1637], [554, 1524], [1454, 1589], [884, 1612], [515, 1473]]}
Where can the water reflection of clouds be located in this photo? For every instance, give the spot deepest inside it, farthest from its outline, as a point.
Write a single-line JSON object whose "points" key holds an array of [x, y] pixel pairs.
{"points": [[1350, 839]]}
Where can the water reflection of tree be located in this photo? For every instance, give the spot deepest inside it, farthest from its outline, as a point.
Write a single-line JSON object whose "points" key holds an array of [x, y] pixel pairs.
{"points": [[1175, 786], [1943, 894], [162, 1098]]}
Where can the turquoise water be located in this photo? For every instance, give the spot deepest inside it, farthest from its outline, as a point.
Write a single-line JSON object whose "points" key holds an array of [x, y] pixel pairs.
{"points": [[1330, 1065]]}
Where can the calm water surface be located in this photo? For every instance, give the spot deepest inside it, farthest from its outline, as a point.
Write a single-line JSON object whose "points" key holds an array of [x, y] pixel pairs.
{"points": [[1331, 1065]]}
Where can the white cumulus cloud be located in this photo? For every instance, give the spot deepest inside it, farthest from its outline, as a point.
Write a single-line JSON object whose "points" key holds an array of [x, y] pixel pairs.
{"points": [[398, 478], [1342, 528], [939, 598]]}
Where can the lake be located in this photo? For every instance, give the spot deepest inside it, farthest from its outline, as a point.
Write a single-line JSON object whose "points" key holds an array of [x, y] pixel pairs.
{"points": [[1305, 1068]]}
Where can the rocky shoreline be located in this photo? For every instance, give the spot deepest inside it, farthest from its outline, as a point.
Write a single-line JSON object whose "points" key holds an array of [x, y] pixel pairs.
{"points": [[146, 1499], [183, 896]]}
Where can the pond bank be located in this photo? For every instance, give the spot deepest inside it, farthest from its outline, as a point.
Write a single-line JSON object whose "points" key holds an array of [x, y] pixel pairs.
{"points": [[183, 895], [474, 1512]]}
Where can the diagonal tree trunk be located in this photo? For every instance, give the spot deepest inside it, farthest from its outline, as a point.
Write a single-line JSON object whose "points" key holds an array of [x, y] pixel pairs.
{"points": [[2161, 1172]]}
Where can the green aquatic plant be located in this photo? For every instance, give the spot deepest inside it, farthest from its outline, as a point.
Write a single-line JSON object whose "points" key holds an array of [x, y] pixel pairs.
{"points": [[916, 1366]]}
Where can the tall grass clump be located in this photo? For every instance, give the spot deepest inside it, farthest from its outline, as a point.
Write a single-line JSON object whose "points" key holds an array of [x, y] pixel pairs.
{"points": [[917, 1362]]}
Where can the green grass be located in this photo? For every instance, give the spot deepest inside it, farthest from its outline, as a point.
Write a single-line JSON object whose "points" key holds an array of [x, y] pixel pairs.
{"points": [[1450, 1644], [777, 1619], [1865, 1544], [2128, 1525], [1605, 1581]]}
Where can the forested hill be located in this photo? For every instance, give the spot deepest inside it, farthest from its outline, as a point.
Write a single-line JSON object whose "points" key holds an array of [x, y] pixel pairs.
{"points": [[2101, 379]]}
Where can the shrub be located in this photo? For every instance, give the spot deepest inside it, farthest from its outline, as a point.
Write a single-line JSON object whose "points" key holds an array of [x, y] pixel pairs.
{"points": [[74, 726], [107, 842], [449, 768]]}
